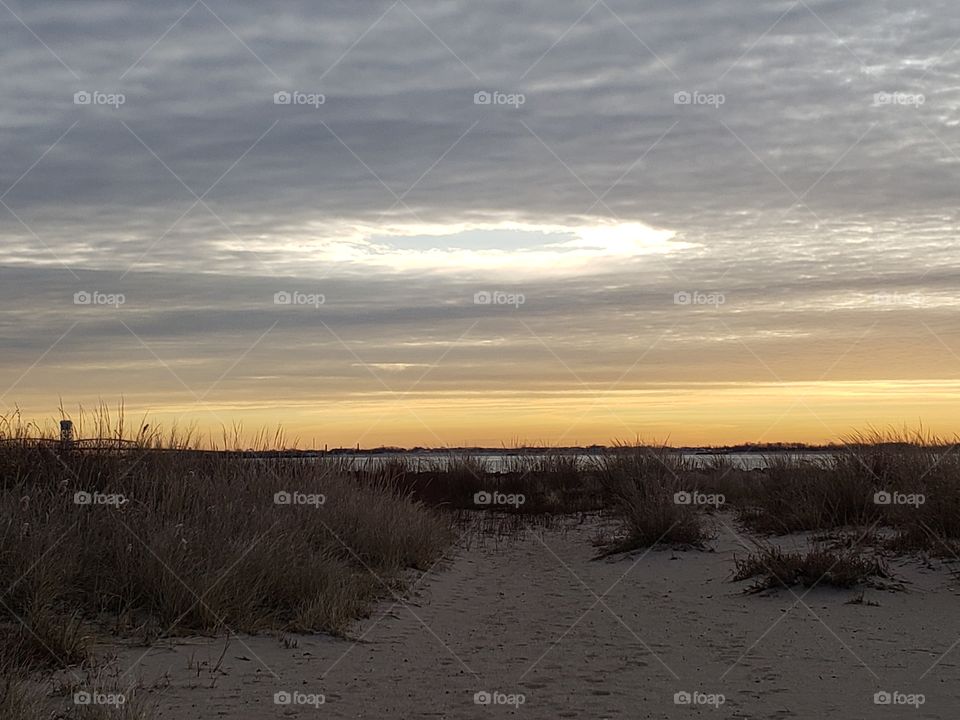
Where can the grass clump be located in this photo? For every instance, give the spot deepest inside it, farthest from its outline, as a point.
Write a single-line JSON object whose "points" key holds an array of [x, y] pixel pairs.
{"points": [[640, 485], [158, 538], [772, 567]]}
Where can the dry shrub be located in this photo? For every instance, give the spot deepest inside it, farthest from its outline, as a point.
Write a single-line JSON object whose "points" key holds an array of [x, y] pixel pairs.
{"points": [[820, 566], [193, 541], [639, 484]]}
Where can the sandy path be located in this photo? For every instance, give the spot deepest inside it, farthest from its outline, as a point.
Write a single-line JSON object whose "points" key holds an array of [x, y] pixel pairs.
{"points": [[587, 639]]}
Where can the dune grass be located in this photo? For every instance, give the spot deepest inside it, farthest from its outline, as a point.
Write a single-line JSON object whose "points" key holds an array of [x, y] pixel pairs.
{"points": [[145, 535], [909, 483], [640, 486], [771, 567], [158, 539]]}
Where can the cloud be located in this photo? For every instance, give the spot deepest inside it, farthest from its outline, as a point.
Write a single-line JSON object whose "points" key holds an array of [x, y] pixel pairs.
{"points": [[799, 196]]}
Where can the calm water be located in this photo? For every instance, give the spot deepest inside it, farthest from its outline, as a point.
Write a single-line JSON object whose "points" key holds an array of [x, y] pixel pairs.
{"points": [[499, 462]]}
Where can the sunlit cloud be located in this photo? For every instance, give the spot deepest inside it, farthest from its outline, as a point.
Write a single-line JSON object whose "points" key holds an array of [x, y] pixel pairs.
{"points": [[518, 248]]}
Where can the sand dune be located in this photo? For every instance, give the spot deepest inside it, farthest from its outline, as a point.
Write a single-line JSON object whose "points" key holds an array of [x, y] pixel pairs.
{"points": [[551, 633]]}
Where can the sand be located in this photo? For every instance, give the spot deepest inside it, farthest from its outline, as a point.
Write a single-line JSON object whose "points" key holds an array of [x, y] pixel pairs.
{"points": [[538, 620]]}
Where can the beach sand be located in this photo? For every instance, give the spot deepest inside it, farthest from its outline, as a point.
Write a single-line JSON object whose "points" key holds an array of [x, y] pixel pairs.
{"points": [[584, 638]]}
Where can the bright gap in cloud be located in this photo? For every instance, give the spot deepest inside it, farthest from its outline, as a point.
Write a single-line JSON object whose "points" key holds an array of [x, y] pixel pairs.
{"points": [[501, 246]]}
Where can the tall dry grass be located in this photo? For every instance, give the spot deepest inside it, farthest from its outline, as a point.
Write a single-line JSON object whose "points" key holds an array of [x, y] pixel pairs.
{"points": [[909, 483], [147, 536], [640, 484]]}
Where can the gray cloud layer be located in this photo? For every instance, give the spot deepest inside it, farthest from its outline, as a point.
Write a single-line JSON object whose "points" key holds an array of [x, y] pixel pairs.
{"points": [[800, 197]]}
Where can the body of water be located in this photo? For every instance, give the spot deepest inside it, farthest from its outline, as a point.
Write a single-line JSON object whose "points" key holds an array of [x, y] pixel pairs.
{"points": [[502, 462]]}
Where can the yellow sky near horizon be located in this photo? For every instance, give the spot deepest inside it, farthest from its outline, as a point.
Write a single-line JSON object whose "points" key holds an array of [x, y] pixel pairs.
{"points": [[708, 414]]}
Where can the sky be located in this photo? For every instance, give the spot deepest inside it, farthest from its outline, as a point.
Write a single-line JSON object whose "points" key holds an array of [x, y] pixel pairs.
{"points": [[445, 223]]}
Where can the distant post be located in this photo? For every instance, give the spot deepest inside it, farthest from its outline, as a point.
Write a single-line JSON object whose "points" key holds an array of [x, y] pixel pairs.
{"points": [[66, 436]]}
